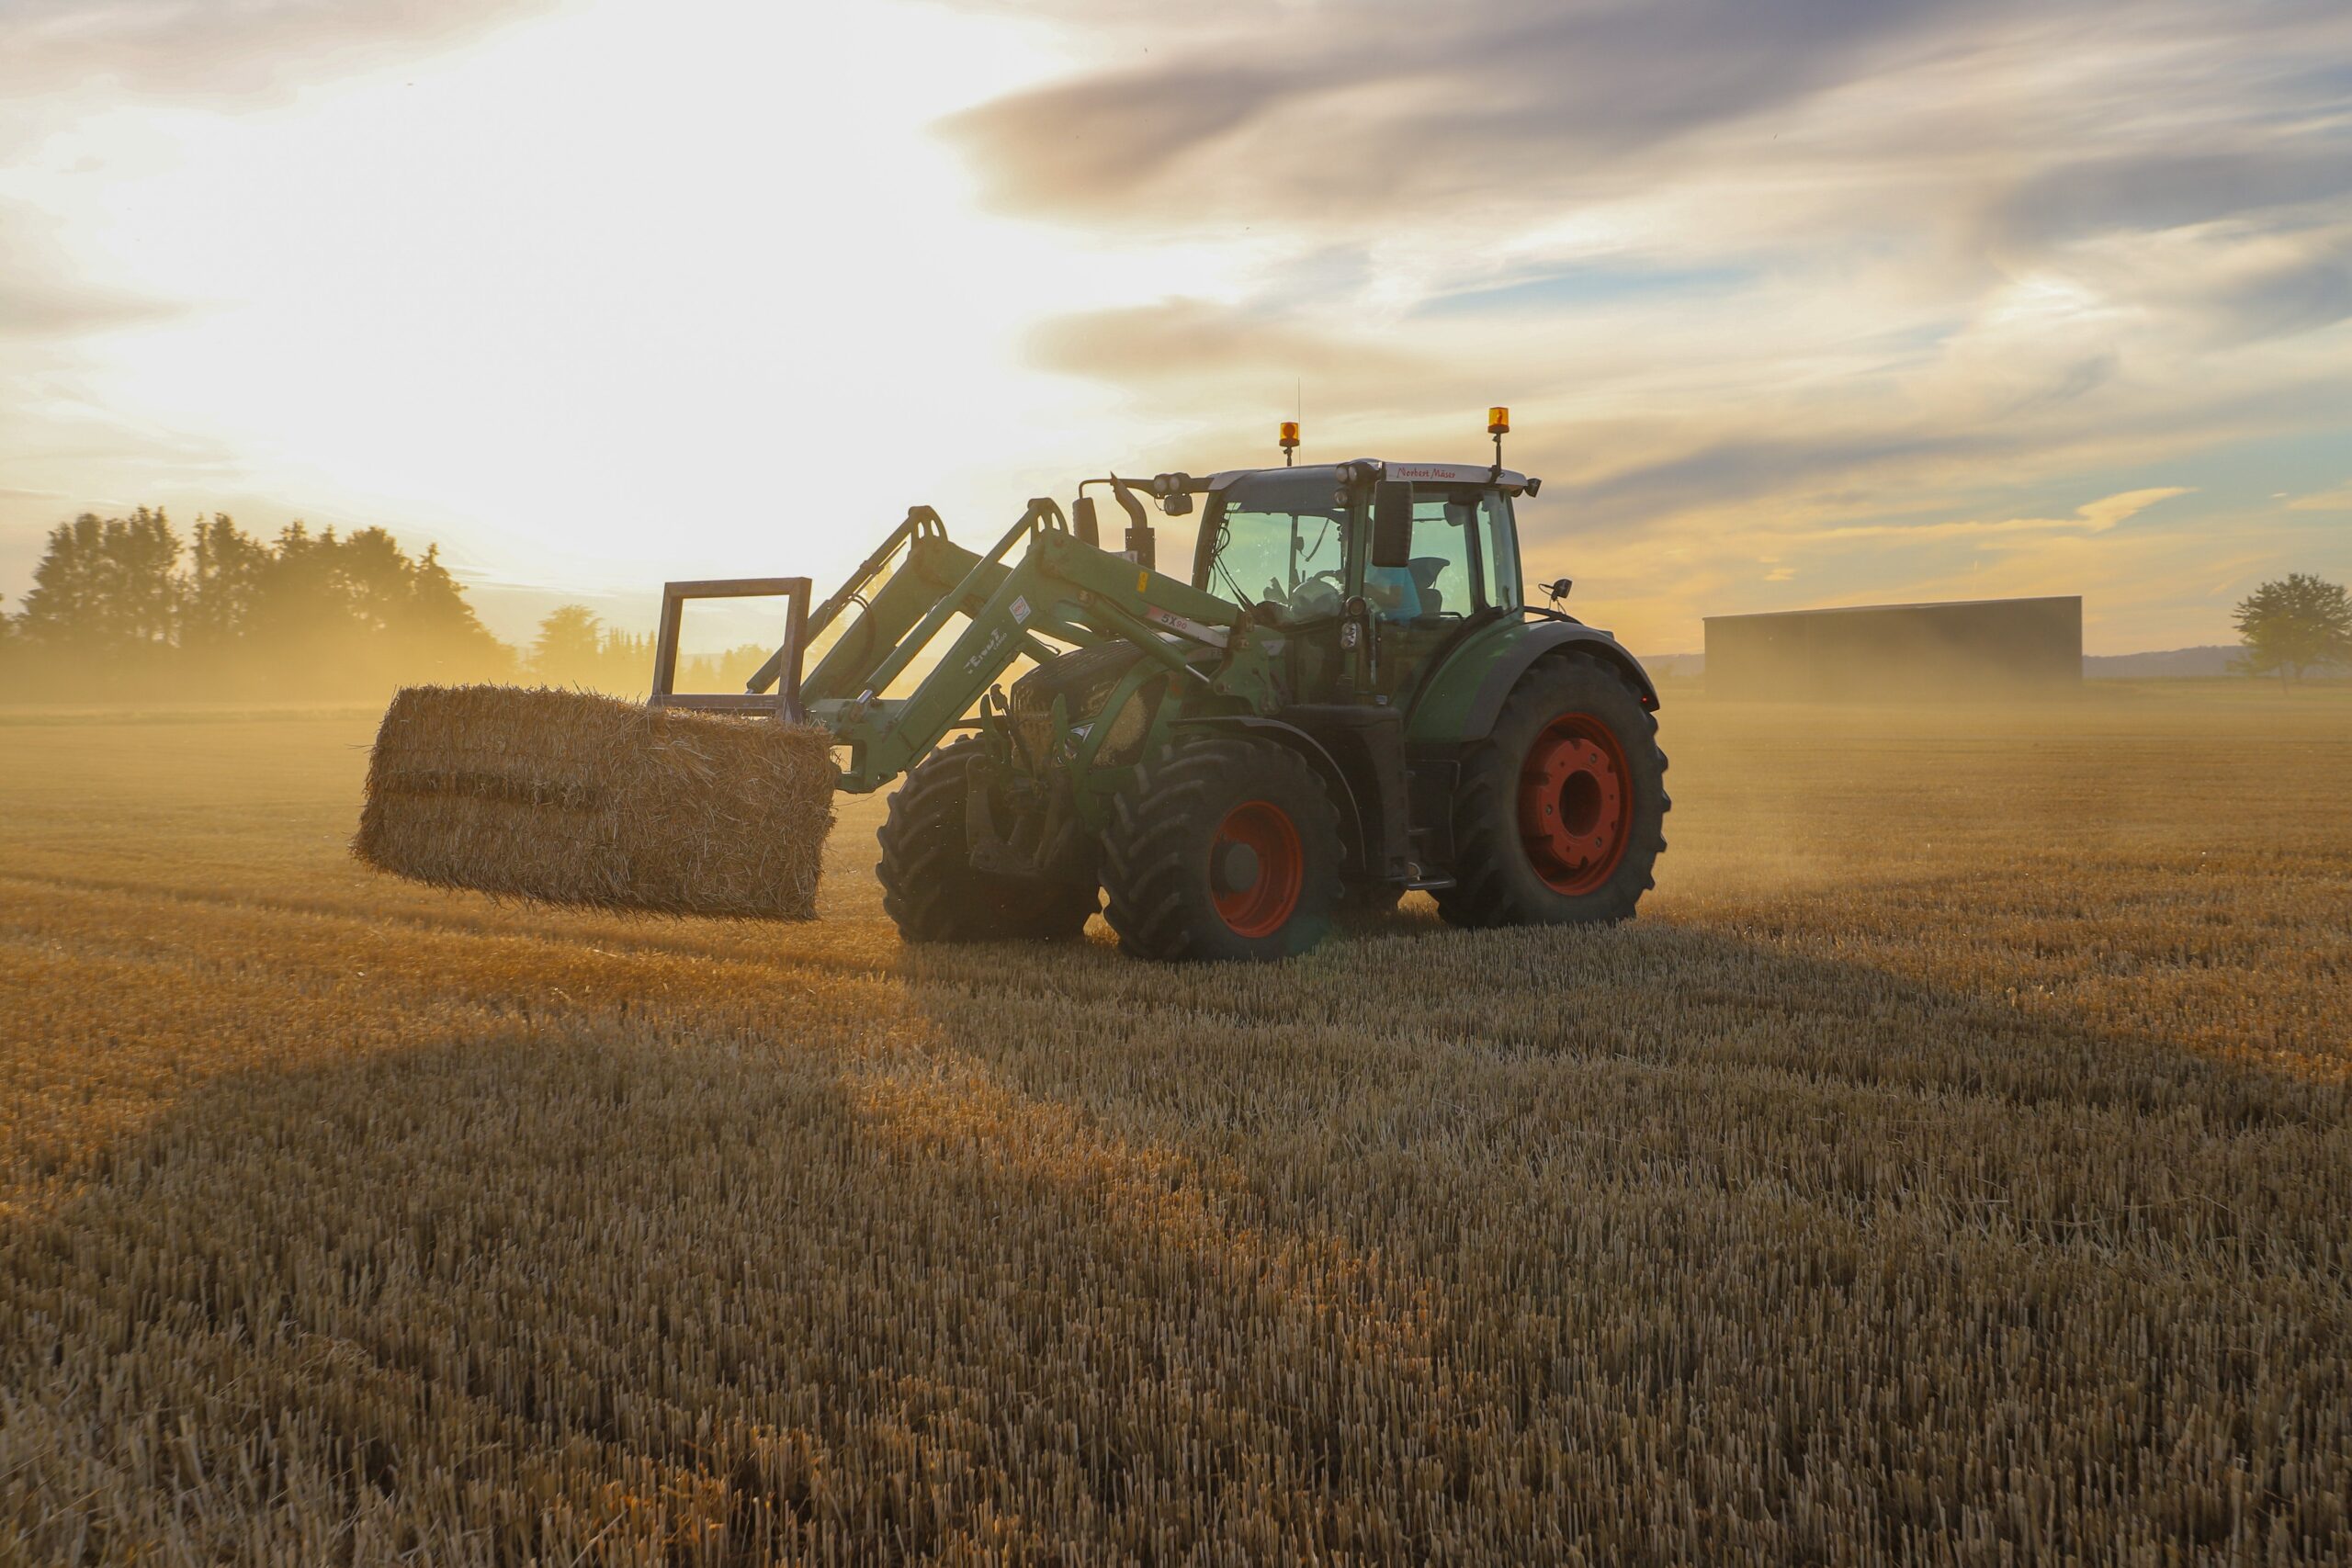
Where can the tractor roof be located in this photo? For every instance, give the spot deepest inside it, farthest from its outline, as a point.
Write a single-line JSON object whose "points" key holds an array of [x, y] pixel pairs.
{"points": [[1420, 473]]}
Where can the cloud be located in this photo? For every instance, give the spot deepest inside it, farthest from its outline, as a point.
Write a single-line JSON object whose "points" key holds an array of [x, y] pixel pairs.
{"points": [[2098, 516], [1193, 341], [2055, 121], [1346, 107], [2336, 500], [1582, 285], [2175, 188], [2226, 286], [60, 59], [2092, 517], [2293, 296], [219, 50], [1752, 467], [1103, 138], [63, 62], [37, 309], [45, 297]]}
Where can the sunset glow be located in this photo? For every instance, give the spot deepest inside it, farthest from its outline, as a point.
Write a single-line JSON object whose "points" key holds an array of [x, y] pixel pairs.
{"points": [[1843, 305]]}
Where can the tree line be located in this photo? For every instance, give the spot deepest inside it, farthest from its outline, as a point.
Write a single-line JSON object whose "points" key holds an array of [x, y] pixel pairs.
{"points": [[126, 608], [130, 607]]}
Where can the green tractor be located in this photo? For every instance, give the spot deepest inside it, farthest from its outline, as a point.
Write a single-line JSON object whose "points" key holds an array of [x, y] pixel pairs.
{"points": [[1348, 698]]}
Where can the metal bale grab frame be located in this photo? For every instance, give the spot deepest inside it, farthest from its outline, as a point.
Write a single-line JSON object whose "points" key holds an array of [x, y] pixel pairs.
{"points": [[785, 705]]}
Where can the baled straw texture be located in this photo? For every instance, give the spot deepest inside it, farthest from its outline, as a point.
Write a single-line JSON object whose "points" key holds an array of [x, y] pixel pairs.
{"points": [[572, 799]]}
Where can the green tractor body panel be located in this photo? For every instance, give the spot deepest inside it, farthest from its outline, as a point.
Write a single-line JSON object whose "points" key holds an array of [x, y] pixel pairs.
{"points": [[1457, 702]]}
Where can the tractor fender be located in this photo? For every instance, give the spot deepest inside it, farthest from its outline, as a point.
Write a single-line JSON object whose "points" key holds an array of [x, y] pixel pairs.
{"points": [[1318, 755], [1461, 704]]}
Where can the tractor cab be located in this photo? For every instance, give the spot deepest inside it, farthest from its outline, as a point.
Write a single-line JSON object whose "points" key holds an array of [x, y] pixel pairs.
{"points": [[1306, 549]]}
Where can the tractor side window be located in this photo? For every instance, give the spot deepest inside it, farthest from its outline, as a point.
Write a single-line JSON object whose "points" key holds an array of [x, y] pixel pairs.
{"points": [[1251, 558], [1497, 550], [1282, 542], [1435, 583]]}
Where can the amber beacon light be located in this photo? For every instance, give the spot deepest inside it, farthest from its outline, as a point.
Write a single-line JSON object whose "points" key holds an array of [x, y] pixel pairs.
{"points": [[1288, 439], [1499, 426]]}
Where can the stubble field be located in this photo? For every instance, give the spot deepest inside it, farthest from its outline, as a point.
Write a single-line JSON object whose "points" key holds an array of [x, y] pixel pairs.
{"points": [[1952, 1165]]}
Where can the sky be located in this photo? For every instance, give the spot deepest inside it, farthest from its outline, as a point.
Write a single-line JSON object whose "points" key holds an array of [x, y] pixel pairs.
{"points": [[1819, 302]]}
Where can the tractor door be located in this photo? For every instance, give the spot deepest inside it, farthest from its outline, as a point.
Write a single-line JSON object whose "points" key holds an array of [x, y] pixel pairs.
{"points": [[1465, 561], [1279, 540]]}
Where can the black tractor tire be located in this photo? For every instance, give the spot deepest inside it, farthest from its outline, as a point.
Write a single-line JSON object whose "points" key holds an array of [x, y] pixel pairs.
{"points": [[1559, 816], [929, 885], [1221, 848]]}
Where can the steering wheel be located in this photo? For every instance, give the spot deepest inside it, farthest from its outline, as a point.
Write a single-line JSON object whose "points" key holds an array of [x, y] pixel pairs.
{"points": [[1314, 597]]}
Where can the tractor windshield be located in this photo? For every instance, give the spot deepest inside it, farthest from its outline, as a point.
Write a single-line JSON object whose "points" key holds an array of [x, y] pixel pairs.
{"points": [[1281, 540]]}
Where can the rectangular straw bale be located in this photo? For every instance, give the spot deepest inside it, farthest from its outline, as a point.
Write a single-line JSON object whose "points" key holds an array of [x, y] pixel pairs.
{"points": [[573, 798]]}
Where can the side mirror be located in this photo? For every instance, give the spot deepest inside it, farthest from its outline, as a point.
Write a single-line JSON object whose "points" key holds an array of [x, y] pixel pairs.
{"points": [[1392, 524], [1083, 518]]}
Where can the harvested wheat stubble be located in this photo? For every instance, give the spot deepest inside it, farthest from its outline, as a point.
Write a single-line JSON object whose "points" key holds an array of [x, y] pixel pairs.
{"points": [[568, 797]]}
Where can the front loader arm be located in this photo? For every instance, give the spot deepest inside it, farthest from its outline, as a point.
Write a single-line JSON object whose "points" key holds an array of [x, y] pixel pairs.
{"points": [[921, 523], [935, 570], [1062, 589]]}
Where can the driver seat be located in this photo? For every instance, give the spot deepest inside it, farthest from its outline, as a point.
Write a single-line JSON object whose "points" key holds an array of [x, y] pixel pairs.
{"points": [[1426, 570]]}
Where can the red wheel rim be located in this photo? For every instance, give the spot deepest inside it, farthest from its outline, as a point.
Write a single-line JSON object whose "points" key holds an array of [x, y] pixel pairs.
{"points": [[1256, 892], [1576, 804]]}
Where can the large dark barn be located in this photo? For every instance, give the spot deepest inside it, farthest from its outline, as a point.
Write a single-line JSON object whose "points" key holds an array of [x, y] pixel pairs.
{"points": [[1977, 648]]}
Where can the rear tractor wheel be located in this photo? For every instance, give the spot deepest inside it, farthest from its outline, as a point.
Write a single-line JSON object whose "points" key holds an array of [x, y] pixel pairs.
{"points": [[1560, 814], [929, 885], [1222, 849]]}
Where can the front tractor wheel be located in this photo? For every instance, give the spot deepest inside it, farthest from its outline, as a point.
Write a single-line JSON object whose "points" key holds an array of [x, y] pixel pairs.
{"points": [[1560, 815], [1222, 849], [929, 885]]}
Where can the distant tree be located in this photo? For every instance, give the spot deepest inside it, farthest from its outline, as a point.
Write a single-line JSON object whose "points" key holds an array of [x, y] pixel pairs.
{"points": [[625, 661], [307, 612], [725, 671], [444, 625], [574, 648], [569, 647], [2294, 625], [222, 594], [438, 631], [379, 580], [105, 588]]}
